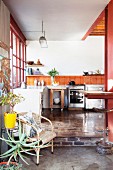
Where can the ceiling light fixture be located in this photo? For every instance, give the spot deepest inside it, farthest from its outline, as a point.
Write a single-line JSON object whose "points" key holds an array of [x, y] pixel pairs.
{"points": [[42, 39]]}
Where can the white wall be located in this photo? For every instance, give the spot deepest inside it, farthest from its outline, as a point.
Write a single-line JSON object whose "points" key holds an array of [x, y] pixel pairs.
{"points": [[69, 58]]}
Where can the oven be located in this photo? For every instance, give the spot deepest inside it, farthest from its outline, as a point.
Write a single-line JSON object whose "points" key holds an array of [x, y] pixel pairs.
{"points": [[75, 97]]}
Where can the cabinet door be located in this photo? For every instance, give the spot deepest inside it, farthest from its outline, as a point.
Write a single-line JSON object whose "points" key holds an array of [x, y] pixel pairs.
{"points": [[94, 103]]}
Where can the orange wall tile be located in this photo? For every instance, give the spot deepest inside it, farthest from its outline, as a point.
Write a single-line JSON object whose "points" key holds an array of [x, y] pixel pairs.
{"points": [[64, 80]]}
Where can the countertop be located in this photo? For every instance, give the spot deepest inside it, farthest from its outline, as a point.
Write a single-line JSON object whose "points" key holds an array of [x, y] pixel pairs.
{"points": [[97, 94], [35, 88], [59, 87]]}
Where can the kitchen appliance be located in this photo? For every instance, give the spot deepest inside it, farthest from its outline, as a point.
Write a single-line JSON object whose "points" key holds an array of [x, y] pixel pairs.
{"points": [[75, 97], [94, 103], [72, 83], [85, 73]]}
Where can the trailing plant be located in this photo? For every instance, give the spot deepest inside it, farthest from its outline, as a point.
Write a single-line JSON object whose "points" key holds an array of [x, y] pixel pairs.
{"points": [[11, 99], [53, 72]]}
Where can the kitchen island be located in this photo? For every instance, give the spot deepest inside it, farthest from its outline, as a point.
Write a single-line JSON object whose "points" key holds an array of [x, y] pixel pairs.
{"points": [[33, 99], [58, 88]]}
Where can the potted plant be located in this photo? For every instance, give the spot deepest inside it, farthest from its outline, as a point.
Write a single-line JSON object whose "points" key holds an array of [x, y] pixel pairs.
{"points": [[11, 166], [10, 99], [53, 73], [17, 148]]}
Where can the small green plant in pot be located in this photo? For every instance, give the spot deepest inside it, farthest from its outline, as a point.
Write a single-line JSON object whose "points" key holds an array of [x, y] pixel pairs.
{"points": [[17, 148], [53, 73], [10, 99]]}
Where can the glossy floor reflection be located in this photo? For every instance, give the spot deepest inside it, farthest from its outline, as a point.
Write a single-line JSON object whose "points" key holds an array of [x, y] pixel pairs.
{"points": [[69, 123]]}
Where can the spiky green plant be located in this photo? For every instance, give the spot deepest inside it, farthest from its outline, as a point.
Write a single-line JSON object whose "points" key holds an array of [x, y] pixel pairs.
{"points": [[17, 147], [53, 72]]}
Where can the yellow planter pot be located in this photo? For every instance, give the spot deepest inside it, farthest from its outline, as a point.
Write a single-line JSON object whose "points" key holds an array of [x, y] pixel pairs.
{"points": [[10, 120]]}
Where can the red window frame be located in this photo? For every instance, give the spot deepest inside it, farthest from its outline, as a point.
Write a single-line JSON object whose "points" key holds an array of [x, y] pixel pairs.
{"points": [[17, 54]]}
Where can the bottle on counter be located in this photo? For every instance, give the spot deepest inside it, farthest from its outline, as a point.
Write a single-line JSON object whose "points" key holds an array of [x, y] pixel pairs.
{"points": [[42, 82], [38, 83], [35, 82]]}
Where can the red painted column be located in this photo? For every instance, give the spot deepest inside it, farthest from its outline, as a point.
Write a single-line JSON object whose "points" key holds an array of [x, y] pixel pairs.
{"points": [[109, 63]]}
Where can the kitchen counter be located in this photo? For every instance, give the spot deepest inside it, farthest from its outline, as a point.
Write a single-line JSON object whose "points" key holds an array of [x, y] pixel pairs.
{"points": [[97, 94], [39, 88], [59, 87]]}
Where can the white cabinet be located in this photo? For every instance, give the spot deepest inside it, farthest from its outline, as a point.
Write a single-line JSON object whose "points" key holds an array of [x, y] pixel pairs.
{"points": [[94, 103], [32, 100]]}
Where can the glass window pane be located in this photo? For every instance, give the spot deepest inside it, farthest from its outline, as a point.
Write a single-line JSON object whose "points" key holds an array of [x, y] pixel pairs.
{"points": [[14, 76], [17, 62], [21, 51], [14, 61], [18, 48], [24, 52], [14, 44], [22, 78], [18, 70], [21, 64]]}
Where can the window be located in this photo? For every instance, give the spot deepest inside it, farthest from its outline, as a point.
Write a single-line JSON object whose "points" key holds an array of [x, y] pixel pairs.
{"points": [[17, 55]]}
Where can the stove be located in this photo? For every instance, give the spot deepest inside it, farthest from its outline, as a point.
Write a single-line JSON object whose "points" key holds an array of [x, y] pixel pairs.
{"points": [[76, 98], [77, 86]]}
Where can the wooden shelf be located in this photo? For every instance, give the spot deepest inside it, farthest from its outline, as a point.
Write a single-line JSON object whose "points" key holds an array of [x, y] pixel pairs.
{"points": [[35, 65], [94, 75]]}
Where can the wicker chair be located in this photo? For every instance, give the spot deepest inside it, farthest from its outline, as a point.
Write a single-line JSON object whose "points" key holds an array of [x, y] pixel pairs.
{"points": [[45, 136]]}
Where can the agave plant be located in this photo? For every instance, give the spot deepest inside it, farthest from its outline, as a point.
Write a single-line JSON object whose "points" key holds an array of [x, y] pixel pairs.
{"points": [[17, 147]]}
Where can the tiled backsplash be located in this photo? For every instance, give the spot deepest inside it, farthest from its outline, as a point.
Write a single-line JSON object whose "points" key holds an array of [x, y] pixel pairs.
{"points": [[64, 80]]}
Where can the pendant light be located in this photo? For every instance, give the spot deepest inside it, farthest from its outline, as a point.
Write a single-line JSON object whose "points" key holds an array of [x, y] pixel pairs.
{"points": [[42, 39]]}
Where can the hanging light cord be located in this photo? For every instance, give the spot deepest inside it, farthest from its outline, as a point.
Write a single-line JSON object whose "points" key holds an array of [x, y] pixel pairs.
{"points": [[42, 26]]}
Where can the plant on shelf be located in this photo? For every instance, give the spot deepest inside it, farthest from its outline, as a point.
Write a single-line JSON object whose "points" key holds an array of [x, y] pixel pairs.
{"points": [[53, 73], [10, 99], [17, 148]]}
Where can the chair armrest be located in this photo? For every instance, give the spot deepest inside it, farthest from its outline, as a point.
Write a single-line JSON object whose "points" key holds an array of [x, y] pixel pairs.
{"points": [[48, 121]]}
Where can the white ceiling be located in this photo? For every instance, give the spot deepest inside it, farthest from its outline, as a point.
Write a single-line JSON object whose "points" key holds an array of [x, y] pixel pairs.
{"points": [[64, 20]]}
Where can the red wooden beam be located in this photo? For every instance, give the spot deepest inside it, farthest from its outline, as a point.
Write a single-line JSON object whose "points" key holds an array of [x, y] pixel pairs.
{"points": [[94, 25], [109, 63]]}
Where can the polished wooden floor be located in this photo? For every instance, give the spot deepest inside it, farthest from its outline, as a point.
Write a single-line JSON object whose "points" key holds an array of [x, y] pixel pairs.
{"points": [[69, 123]]}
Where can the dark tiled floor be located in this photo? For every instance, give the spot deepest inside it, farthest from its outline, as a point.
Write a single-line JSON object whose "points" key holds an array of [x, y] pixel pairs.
{"points": [[71, 158], [69, 123]]}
